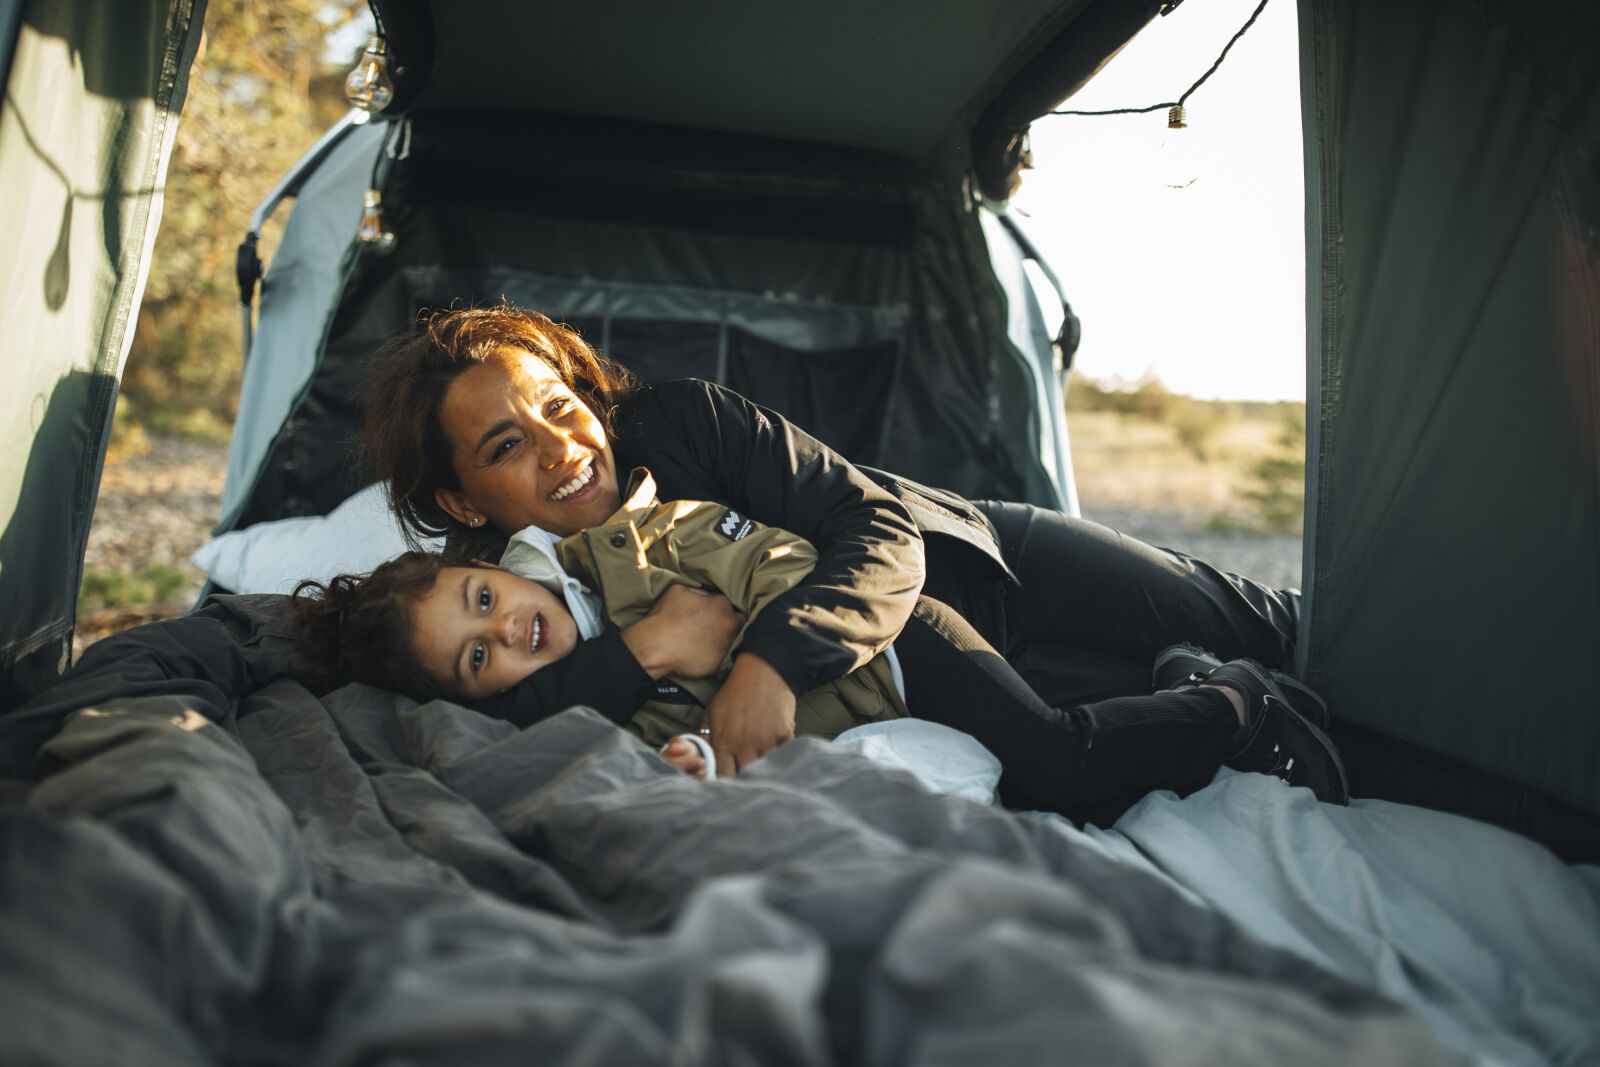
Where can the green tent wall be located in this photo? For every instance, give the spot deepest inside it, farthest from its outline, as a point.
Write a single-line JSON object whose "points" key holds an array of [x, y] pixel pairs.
{"points": [[93, 90], [1453, 540]]}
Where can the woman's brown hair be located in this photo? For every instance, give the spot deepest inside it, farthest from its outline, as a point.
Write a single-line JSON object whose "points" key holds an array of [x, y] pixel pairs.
{"points": [[403, 437]]}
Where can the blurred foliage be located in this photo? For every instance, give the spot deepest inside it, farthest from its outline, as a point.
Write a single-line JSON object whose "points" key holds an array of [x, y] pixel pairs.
{"points": [[156, 582], [1276, 493], [1282, 496], [1148, 400], [1194, 423], [261, 91]]}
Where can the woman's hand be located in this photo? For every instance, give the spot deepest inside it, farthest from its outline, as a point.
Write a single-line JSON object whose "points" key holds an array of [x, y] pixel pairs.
{"points": [[751, 714], [688, 632]]}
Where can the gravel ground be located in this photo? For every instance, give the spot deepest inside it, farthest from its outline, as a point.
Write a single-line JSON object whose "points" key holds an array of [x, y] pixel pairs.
{"points": [[161, 506], [158, 506]]}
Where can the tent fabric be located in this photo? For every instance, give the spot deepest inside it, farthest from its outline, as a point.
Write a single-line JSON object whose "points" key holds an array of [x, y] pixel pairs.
{"points": [[1453, 513], [1036, 346], [310, 266], [852, 290], [86, 128], [803, 72]]}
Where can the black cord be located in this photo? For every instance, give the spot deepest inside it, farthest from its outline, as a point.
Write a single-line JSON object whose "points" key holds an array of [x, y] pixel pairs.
{"points": [[1180, 101]]}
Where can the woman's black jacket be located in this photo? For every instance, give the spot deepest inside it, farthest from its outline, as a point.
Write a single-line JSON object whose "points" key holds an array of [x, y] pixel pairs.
{"points": [[703, 442]]}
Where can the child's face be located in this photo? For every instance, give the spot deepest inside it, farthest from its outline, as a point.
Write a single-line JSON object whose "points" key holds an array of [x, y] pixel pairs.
{"points": [[481, 630]]}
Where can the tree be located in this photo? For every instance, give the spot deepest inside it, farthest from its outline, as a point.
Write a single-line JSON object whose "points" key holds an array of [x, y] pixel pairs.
{"points": [[262, 89]]}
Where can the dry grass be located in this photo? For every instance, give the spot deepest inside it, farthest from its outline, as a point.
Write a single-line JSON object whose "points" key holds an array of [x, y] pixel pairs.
{"points": [[1131, 462]]}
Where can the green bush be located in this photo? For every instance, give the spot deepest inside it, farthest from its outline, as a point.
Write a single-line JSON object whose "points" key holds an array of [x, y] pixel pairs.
{"points": [[156, 582], [1151, 400], [1281, 499], [1195, 424]]}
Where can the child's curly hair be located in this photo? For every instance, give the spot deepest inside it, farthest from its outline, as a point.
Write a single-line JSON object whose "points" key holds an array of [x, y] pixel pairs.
{"points": [[357, 628]]}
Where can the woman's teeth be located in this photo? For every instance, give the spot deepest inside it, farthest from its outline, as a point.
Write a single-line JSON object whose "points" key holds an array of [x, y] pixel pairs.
{"points": [[579, 481], [538, 631]]}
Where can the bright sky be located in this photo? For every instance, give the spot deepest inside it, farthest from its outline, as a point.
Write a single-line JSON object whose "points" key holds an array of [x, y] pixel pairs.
{"points": [[1203, 286]]}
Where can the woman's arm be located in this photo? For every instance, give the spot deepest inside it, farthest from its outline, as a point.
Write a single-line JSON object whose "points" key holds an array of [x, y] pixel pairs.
{"points": [[704, 442]]}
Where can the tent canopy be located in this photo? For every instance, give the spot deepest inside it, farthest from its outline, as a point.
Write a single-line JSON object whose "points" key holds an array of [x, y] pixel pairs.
{"points": [[900, 76], [785, 204]]}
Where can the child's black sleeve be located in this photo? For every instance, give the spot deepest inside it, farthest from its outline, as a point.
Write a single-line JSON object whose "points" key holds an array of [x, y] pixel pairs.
{"points": [[600, 673]]}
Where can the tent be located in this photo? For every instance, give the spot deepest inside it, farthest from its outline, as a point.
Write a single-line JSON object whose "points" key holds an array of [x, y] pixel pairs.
{"points": [[93, 92], [207, 862], [774, 201]]}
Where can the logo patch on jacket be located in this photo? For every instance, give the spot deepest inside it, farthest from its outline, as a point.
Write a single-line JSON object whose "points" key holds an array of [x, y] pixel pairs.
{"points": [[734, 526], [667, 693]]}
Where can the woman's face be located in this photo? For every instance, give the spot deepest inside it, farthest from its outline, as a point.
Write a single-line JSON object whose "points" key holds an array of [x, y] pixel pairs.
{"points": [[527, 450]]}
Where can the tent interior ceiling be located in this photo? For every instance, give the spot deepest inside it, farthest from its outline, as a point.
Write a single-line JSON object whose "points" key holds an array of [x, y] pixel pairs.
{"points": [[891, 76]]}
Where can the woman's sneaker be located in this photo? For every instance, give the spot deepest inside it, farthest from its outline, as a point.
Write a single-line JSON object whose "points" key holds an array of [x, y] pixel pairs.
{"points": [[1182, 665], [1279, 736], [1188, 665]]}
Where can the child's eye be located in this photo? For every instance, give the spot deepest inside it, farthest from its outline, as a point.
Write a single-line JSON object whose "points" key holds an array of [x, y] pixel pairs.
{"points": [[479, 654], [484, 599]]}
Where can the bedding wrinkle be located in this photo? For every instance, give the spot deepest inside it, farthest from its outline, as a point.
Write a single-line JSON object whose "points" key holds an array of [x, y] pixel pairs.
{"points": [[1457, 919], [356, 878]]}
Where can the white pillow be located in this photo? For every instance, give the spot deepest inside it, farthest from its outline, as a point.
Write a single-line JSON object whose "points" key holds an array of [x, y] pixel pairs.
{"points": [[273, 557]]}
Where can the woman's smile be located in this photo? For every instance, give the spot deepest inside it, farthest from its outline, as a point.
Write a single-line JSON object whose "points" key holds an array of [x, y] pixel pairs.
{"points": [[527, 450], [580, 481]]}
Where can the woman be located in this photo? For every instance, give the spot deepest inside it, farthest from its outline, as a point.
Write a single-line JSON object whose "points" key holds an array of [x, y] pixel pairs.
{"points": [[486, 420]]}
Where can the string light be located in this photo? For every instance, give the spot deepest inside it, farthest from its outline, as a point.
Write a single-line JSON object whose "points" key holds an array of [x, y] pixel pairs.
{"points": [[1178, 103], [368, 86], [1181, 157], [372, 233]]}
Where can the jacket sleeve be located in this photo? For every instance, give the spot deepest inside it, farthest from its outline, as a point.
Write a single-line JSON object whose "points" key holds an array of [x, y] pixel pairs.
{"points": [[632, 559], [751, 563], [705, 442], [601, 674]]}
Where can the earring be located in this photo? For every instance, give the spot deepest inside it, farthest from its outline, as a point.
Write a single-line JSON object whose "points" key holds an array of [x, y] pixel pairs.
{"points": [[475, 521]]}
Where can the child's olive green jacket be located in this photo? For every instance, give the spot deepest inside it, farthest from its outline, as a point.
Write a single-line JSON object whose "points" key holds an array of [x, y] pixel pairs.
{"points": [[647, 545]]}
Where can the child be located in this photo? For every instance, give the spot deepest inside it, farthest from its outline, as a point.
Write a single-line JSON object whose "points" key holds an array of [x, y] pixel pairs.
{"points": [[427, 628]]}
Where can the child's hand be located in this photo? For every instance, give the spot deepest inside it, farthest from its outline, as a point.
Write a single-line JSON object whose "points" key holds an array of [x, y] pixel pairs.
{"points": [[683, 753]]}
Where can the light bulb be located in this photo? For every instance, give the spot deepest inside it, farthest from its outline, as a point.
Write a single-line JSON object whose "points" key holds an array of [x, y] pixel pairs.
{"points": [[368, 86], [1182, 155], [371, 232]]}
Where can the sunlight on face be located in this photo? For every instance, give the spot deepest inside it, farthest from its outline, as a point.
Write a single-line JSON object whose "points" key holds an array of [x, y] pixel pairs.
{"points": [[527, 450]]}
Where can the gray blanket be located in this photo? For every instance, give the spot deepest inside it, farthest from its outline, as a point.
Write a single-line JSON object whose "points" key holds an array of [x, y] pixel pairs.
{"points": [[204, 871]]}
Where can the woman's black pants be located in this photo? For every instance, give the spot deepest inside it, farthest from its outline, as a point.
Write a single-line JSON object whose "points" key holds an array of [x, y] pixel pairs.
{"points": [[1053, 673]]}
